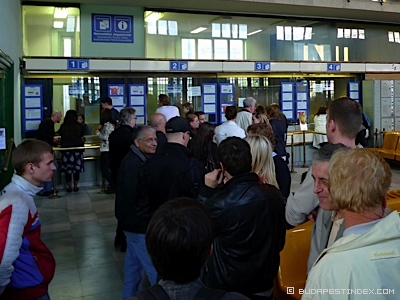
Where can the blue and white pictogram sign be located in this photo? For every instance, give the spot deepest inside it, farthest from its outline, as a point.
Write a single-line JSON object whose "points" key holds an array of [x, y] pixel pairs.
{"points": [[112, 28], [334, 67], [78, 64], [178, 66], [262, 66]]}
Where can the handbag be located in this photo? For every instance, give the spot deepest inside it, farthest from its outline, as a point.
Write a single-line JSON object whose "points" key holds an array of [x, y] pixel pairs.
{"points": [[210, 163]]}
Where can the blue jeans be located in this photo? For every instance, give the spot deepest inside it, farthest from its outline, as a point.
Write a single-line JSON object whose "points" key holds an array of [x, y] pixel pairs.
{"points": [[44, 297], [136, 260]]}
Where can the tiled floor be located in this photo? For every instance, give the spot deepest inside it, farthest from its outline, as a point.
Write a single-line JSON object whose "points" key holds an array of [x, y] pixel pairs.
{"points": [[79, 229]]}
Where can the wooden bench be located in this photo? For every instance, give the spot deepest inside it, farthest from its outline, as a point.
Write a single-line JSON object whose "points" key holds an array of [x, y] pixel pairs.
{"points": [[390, 146]]}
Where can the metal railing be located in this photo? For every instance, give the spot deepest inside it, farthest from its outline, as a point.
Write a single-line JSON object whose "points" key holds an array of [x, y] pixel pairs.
{"points": [[55, 149], [303, 143]]}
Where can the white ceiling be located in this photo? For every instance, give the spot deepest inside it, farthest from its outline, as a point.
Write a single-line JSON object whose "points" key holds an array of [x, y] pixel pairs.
{"points": [[252, 7]]}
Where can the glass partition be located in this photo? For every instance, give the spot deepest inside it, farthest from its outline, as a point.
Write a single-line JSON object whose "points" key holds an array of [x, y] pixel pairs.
{"points": [[173, 35], [51, 31]]}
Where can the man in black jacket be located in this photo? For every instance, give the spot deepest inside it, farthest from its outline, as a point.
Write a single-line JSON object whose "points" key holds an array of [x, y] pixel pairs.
{"points": [[158, 122], [46, 133], [120, 141], [170, 173], [249, 224], [131, 213]]}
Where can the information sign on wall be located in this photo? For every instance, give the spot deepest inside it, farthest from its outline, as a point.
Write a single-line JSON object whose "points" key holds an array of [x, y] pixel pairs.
{"points": [[117, 93], [226, 98], [137, 100], [112, 28], [209, 97], [32, 105], [353, 91]]}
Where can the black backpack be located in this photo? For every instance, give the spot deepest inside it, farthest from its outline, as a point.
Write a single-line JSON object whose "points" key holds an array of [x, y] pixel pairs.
{"points": [[156, 292]]}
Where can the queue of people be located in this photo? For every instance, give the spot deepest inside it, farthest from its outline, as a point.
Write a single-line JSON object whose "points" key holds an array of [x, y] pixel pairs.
{"points": [[204, 213]]}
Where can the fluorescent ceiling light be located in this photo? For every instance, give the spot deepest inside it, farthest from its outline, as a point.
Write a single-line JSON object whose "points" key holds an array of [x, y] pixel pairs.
{"points": [[70, 24], [199, 29], [60, 12], [58, 24], [254, 32], [153, 16]]}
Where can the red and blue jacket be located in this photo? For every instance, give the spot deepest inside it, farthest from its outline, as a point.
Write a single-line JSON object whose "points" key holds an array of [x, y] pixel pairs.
{"points": [[26, 264]]}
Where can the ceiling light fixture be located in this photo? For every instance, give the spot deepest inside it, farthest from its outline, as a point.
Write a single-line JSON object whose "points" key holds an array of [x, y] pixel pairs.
{"points": [[58, 24], [60, 12], [254, 32], [153, 16], [199, 29]]}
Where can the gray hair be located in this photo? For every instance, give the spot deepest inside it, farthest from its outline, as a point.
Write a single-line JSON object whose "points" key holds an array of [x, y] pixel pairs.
{"points": [[126, 114], [139, 132], [325, 153], [249, 101]]}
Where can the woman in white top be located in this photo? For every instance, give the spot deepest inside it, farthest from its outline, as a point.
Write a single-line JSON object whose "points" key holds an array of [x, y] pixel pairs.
{"points": [[320, 126], [107, 125], [229, 128], [166, 108]]}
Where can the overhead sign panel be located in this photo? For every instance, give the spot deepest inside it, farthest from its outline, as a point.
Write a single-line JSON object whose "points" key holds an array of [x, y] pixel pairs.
{"points": [[334, 67], [112, 28], [262, 66], [178, 66], [78, 64]]}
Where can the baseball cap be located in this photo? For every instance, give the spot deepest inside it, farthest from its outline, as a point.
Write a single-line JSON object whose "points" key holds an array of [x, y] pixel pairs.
{"points": [[177, 124]]}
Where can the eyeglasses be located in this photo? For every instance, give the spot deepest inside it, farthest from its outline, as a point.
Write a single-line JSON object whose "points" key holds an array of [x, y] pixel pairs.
{"points": [[149, 140], [135, 118]]}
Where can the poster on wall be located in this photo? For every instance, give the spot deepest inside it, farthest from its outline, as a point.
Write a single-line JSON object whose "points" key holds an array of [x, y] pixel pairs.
{"points": [[112, 28], [138, 100], [3, 139], [227, 97], [287, 99], [209, 97], [32, 106], [117, 93]]}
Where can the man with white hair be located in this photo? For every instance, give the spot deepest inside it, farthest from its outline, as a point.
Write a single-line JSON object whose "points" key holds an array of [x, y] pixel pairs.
{"points": [[365, 262], [244, 117]]}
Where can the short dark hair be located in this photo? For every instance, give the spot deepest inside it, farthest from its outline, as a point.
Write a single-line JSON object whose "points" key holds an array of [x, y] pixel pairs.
{"points": [[322, 110], [106, 115], [235, 155], [29, 151], [199, 113], [230, 112], [347, 113], [107, 100], [179, 238], [164, 99]]}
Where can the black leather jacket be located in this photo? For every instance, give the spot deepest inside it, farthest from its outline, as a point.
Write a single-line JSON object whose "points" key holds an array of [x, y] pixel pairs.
{"points": [[249, 223]]}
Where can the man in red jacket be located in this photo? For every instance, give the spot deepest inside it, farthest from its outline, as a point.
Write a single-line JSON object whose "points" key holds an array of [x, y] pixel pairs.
{"points": [[26, 264]]}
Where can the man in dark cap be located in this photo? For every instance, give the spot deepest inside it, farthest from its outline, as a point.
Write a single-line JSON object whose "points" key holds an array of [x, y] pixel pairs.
{"points": [[171, 173]]}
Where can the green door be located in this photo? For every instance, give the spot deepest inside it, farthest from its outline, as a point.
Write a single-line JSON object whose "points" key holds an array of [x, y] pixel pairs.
{"points": [[6, 117]]}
